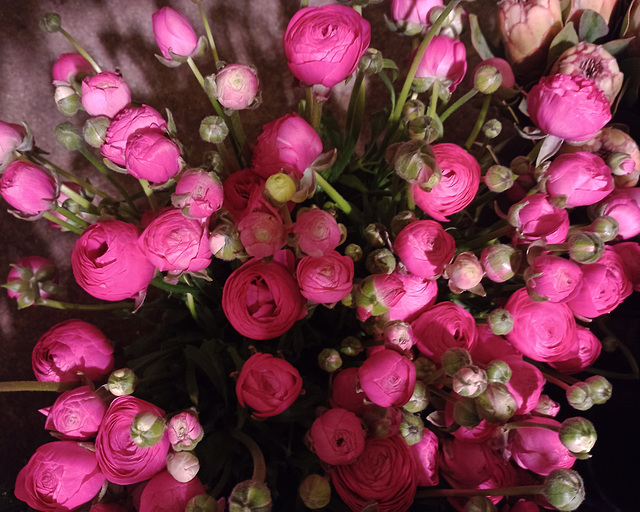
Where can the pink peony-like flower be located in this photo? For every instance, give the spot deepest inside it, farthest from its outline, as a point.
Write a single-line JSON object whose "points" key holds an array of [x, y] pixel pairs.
{"points": [[624, 207], [70, 66], [424, 247], [414, 11], [70, 351], [262, 233], [325, 279], [59, 476], [552, 278], [243, 193], [184, 431], [426, 457], [163, 493], [346, 393], [387, 378], [337, 437], [629, 252], [385, 474], [198, 194], [525, 384], [236, 86], [317, 232], [76, 414], [151, 156], [586, 350], [173, 33], [107, 262], [420, 294], [535, 217], [324, 44], [11, 137], [28, 188], [445, 60], [287, 144], [105, 94], [569, 107], [268, 385], [120, 458]]}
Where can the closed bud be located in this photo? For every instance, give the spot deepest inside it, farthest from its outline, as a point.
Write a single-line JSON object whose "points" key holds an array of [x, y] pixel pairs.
{"points": [[329, 360], [492, 128], [351, 346], [415, 162], [564, 489], [354, 252], [418, 401], [183, 466], [412, 428], [521, 165], [465, 413], [470, 381], [546, 406], [579, 396], [600, 389], [280, 187], [412, 109], [498, 371], [376, 234], [399, 334], [66, 100], [465, 274], [122, 382], [585, 248], [381, 261], [425, 368], [500, 321], [213, 129], [499, 178], [202, 503], [401, 221], [315, 491], [95, 130], [500, 262], [605, 227], [496, 404], [424, 128], [453, 359], [68, 136], [224, 242], [578, 435], [250, 496], [50, 22], [487, 79], [371, 63], [479, 504], [147, 429], [621, 163]]}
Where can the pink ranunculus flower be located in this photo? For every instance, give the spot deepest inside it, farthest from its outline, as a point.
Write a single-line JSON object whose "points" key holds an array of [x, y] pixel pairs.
{"points": [[163, 493], [70, 351], [489, 346], [105, 94], [262, 233], [121, 460], [11, 137], [236, 86], [198, 194], [243, 193], [174, 35], [76, 414], [337, 437], [287, 144], [525, 384], [317, 232], [568, 107], [345, 392], [177, 244], [457, 187], [630, 254], [420, 294], [414, 11], [552, 278], [268, 385], [184, 431], [62, 475], [444, 60], [151, 156], [427, 459], [385, 474], [261, 300], [127, 122], [387, 378], [70, 66], [324, 44], [107, 262], [424, 247], [325, 279], [28, 188], [587, 350], [535, 217], [624, 207]]}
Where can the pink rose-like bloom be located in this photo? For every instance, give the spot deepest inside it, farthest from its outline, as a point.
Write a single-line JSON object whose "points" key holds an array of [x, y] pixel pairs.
{"points": [[287, 144], [11, 137], [457, 187], [59, 476], [630, 254], [243, 193], [173, 33], [262, 234], [268, 385], [28, 188], [317, 232], [173, 242], [198, 194], [426, 457], [586, 350], [105, 94], [337, 437], [43, 271], [120, 458], [69, 349], [552, 278], [150, 156], [184, 431], [413, 11], [107, 262], [569, 107], [535, 217], [444, 60], [539, 449], [324, 44], [624, 207], [543, 331], [387, 378], [525, 384], [69, 66], [420, 294], [345, 392], [163, 493], [127, 122], [442, 327], [385, 474], [424, 247], [262, 300], [76, 414], [508, 79], [325, 279], [236, 86], [489, 346]]}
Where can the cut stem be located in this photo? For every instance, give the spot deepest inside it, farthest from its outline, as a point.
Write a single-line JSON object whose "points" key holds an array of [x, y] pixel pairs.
{"points": [[529, 424], [81, 50], [501, 491], [479, 122], [207, 29], [72, 194], [149, 193], [259, 468], [72, 216], [56, 304], [31, 385], [342, 203], [56, 220], [461, 101]]}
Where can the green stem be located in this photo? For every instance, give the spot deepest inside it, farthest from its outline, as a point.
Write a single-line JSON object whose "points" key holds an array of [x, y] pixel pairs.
{"points": [[149, 193], [433, 101], [358, 9], [533, 154], [50, 217], [159, 283], [207, 29], [353, 102], [479, 122], [72, 216], [460, 101], [483, 239], [259, 467], [191, 305], [30, 385], [342, 203], [501, 491], [55, 304], [442, 394], [236, 125], [529, 424], [81, 50], [72, 194]]}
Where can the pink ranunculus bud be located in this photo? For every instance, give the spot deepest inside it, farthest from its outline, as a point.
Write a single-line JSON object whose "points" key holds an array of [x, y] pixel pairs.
{"points": [[183, 466], [624, 207], [151, 156], [30, 278], [345, 392], [603, 7], [70, 351], [543, 331], [503, 67], [525, 384], [420, 294], [107, 262], [164, 492], [28, 188], [121, 460], [325, 279], [127, 122], [385, 474], [317, 232], [444, 60], [398, 336], [376, 293], [224, 241], [500, 262], [424, 247], [387, 378], [413, 11], [76, 414], [105, 94], [552, 278], [236, 86], [12, 137], [629, 252], [337, 437], [242, 193], [62, 475], [174, 35], [587, 349], [465, 273], [69, 67], [198, 194], [268, 385], [262, 234], [261, 300], [184, 431], [288, 143], [535, 217], [426, 457], [547, 407], [568, 107], [324, 44]]}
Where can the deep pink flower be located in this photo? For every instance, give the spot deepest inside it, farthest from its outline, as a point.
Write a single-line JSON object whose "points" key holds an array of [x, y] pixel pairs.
{"points": [[105, 94], [387, 378], [11, 137], [198, 194], [173, 33], [624, 207], [413, 11], [586, 350], [489, 346], [28, 188], [420, 294], [426, 458], [337, 437], [345, 392], [424, 247], [444, 60], [525, 384], [325, 279], [262, 234], [184, 430], [630, 254], [163, 493], [535, 217], [76, 414], [552, 278], [236, 86], [69, 66], [317, 232], [243, 193], [151, 156]]}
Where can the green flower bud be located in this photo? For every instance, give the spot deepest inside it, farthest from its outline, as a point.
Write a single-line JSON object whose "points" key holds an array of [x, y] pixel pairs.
{"points": [[412, 429], [487, 79], [376, 234], [66, 100], [500, 321], [479, 504], [605, 227], [620, 163], [498, 371], [402, 220], [465, 413], [579, 396], [250, 496], [50, 22], [183, 466], [470, 381], [122, 382], [453, 359], [496, 404], [147, 429], [546, 406], [600, 389], [578, 435], [492, 128], [520, 165], [213, 129], [564, 489], [585, 248], [315, 491], [415, 162], [424, 128], [224, 242], [329, 360], [202, 503], [381, 261], [68, 136], [354, 252], [95, 130], [412, 109], [280, 187], [418, 401], [372, 62], [425, 368], [499, 178]]}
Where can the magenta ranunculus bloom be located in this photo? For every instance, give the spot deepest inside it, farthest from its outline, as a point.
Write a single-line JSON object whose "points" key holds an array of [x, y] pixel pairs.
{"points": [[317, 232], [70, 351], [262, 233], [107, 262], [198, 194], [427, 459], [121, 460], [525, 384], [60, 476], [287, 144], [569, 107], [324, 44], [424, 247], [163, 493], [11, 137], [444, 60], [105, 94], [387, 378], [268, 385], [624, 207], [173, 33], [76, 414], [69, 66], [552, 278], [236, 86], [337, 437], [535, 217], [586, 350], [414, 11], [151, 156], [325, 279], [242, 193], [420, 294], [489, 346], [481, 433], [28, 188], [184, 431], [345, 392], [262, 300], [630, 254]]}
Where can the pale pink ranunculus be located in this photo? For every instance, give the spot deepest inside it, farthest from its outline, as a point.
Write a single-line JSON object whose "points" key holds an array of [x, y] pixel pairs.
{"points": [[525, 384], [76, 414], [414, 11], [508, 79], [262, 233], [424, 247], [337, 437], [346, 393], [624, 207], [324, 44], [630, 254], [163, 493], [11, 137], [243, 193], [287, 144], [426, 458], [317, 232], [568, 107], [444, 60], [151, 156], [184, 430], [552, 278], [465, 273], [586, 350], [535, 217], [105, 94], [174, 35], [28, 188], [420, 294], [69, 66], [198, 194], [236, 86], [70, 351], [121, 460], [174, 243], [387, 378], [325, 279], [62, 475], [39, 272], [107, 262]]}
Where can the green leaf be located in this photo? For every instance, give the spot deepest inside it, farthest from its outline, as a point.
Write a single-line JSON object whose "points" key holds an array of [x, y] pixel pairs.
{"points": [[626, 21], [592, 26], [617, 46], [478, 40], [389, 64], [352, 181], [565, 39]]}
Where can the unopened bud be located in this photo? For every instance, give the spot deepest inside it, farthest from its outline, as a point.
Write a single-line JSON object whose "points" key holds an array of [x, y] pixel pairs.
{"points": [[465, 413], [521, 165], [50, 22], [68, 136], [412, 109], [600, 389], [122, 382], [578, 435], [585, 248], [280, 187], [66, 100], [402, 220], [605, 227], [546, 406], [496, 404], [470, 381], [465, 274], [202, 503], [224, 242], [95, 130], [399, 334], [381, 261], [315, 491], [412, 428], [372, 62], [492, 128], [487, 79], [418, 401], [499, 178], [354, 252], [415, 162], [424, 128], [329, 360], [500, 321], [213, 129], [147, 429], [564, 489], [250, 496], [351, 346], [579, 396], [621, 163], [500, 262], [376, 234], [183, 466], [479, 504], [425, 368], [453, 359], [498, 371]]}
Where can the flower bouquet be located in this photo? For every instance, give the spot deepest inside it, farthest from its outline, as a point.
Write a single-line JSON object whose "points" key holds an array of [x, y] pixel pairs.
{"points": [[393, 296]]}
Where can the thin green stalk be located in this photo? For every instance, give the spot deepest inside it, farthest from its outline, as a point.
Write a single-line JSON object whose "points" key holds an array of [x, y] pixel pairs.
{"points": [[50, 217], [191, 306], [529, 424], [358, 9], [56, 304], [522, 490], [259, 467], [207, 29], [30, 385], [353, 101], [81, 50], [342, 203], [433, 101], [236, 124], [72, 194], [72, 216], [153, 202], [479, 122], [459, 102]]}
